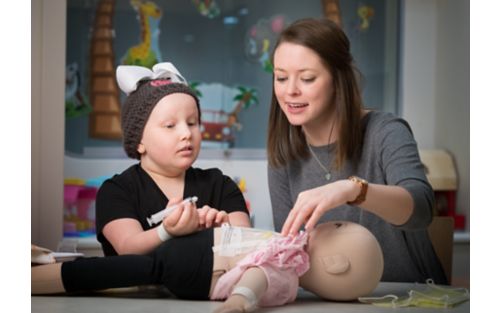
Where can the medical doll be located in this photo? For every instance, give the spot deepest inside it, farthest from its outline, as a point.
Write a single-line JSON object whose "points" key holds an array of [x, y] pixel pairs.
{"points": [[249, 268]]}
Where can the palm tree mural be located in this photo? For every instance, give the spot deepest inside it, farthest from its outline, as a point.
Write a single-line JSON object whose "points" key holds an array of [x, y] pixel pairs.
{"points": [[104, 119], [194, 87], [331, 10], [246, 98]]}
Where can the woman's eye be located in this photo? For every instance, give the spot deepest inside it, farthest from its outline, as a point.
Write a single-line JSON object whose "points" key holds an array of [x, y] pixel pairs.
{"points": [[280, 79], [308, 80]]}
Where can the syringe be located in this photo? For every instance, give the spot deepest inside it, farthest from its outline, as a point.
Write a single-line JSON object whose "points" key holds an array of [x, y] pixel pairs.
{"points": [[159, 216]]}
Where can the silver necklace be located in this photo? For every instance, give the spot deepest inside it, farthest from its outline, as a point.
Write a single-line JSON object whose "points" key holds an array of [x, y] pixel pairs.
{"points": [[328, 175]]}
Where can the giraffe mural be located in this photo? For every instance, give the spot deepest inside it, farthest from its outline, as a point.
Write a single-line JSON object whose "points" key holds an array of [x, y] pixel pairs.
{"points": [[104, 122], [147, 52]]}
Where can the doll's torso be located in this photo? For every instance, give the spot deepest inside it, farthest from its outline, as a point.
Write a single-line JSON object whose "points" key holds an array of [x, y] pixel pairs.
{"points": [[231, 244], [230, 241]]}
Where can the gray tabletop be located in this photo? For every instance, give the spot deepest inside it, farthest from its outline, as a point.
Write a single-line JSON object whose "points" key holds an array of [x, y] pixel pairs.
{"points": [[125, 302]]}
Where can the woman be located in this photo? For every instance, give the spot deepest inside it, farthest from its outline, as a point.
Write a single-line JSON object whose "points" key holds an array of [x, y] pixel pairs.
{"points": [[330, 159]]}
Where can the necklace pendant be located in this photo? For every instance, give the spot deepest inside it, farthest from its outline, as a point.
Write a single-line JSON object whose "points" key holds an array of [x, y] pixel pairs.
{"points": [[328, 176]]}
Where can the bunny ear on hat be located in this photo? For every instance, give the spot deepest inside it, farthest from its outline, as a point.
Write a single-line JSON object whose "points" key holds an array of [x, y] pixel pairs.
{"points": [[128, 76]]}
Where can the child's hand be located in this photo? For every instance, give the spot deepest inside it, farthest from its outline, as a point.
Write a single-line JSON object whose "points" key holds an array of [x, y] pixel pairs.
{"points": [[183, 220], [210, 217]]}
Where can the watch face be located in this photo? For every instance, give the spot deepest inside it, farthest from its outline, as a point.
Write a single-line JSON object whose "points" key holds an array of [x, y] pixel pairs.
{"points": [[358, 179]]}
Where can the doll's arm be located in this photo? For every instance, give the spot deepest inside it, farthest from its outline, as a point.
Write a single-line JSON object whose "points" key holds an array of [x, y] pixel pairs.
{"points": [[246, 293]]}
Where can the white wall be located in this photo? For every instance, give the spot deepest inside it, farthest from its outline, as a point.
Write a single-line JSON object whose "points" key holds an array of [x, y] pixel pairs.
{"points": [[435, 81], [48, 51], [418, 69], [453, 92]]}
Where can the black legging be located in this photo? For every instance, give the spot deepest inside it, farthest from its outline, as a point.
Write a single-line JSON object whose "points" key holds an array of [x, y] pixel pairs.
{"points": [[87, 274], [182, 264]]}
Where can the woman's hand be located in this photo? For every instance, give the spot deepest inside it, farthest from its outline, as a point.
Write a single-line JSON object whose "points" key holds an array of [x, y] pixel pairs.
{"points": [[313, 203], [183, 220], [210, 217]]}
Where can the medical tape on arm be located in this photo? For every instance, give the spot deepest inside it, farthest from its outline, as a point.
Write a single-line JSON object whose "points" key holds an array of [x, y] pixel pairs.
{"points": [[248, 294], [162, 233]]}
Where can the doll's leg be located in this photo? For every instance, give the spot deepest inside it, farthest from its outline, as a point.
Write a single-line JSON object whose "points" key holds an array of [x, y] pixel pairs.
{"points": [[46, 279], [246, 293]]}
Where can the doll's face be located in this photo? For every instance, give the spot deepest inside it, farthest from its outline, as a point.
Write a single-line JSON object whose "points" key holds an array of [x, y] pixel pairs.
{"points": [[346, 261]]}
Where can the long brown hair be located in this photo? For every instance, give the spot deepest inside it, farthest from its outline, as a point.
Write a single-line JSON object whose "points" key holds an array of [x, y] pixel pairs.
{"points": [[286, 142]]}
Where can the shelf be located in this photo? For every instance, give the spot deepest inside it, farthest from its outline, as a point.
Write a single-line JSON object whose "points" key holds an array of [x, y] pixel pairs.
{"points": [[461, 237]]}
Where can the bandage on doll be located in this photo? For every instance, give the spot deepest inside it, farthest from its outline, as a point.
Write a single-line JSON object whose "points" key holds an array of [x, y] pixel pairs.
{"points": [[248, 267]]}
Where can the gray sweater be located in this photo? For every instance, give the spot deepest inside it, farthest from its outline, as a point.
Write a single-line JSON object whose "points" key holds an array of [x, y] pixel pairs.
{"points": [[390, 157]]}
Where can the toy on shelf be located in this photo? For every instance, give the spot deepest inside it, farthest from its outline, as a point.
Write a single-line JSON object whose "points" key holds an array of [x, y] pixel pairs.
{"points": [[442, 176], [79, 206]]}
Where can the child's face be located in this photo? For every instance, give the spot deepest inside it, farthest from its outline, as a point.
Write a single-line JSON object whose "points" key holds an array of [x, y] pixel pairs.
{"points": [[171, 139]]}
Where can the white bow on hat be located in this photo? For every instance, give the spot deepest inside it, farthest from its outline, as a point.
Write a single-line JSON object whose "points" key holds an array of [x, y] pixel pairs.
{"points": [[128, 76]]}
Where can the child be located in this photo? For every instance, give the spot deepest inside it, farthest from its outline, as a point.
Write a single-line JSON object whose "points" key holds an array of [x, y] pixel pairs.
{"points": [[248, 267], [161, 128]]}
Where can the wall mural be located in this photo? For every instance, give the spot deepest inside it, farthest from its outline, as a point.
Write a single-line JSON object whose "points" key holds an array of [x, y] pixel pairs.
{"points": [[261, 38], [220, 114], [76, 102], [207, 8], [147, 53], [365, 13], [104, 119], [222, 47]]}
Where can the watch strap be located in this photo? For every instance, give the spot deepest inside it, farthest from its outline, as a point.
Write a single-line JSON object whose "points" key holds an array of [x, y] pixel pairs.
{"points": [[362, 193]]}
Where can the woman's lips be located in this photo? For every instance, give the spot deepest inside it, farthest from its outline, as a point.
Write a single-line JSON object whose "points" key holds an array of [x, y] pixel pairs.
{"points": [[296, 107]]}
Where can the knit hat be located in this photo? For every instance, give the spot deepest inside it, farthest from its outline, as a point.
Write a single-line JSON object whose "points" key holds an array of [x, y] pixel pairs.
{"points": [[139, 105]]}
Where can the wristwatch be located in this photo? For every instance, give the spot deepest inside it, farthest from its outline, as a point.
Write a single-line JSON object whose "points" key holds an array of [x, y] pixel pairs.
{"points": [[362, 194]]}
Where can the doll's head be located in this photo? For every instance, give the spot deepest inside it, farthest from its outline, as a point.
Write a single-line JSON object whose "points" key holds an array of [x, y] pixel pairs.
{"points": [[144, 89], [346, 261]]}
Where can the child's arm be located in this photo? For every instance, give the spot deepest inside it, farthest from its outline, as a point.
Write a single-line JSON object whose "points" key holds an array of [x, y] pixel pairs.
{"points": [[240, 219], [128, 237], [246, 293]]}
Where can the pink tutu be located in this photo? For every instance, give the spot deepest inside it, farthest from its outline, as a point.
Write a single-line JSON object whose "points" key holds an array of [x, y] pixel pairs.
{"points": [[283, 261]]}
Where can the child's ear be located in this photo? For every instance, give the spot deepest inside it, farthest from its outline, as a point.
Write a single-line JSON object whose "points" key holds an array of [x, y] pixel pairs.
{"points": [[335, 264], [140, 148]]}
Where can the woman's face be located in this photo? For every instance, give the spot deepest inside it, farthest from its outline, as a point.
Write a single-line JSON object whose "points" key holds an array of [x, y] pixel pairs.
{"points": [[171, 139], [303, 86]]}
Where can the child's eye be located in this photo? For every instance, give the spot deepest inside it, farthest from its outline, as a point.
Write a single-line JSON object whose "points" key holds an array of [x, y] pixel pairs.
{"points": [[192, 121], [169, 125]]}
